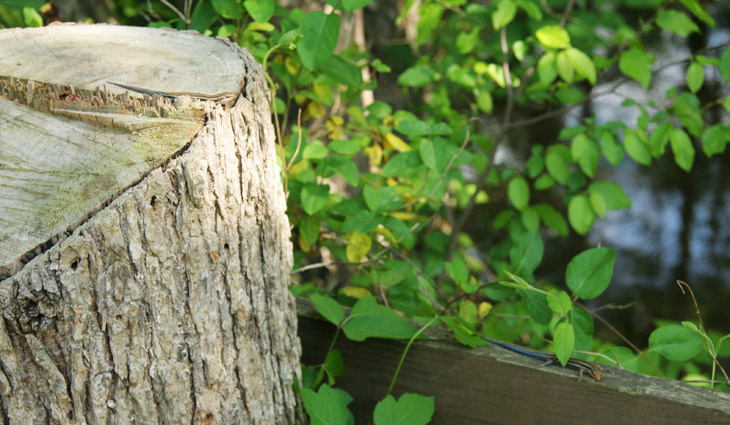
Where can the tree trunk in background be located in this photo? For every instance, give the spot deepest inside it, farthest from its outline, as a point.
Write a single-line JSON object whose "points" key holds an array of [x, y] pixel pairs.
{"points": [[144, 243]]}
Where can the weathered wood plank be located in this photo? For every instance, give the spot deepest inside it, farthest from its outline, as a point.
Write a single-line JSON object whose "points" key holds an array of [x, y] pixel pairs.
{"points": [[489, 385]]}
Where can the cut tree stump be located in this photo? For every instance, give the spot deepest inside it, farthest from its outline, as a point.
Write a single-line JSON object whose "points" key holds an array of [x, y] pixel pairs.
{"points": [[144, 245]]}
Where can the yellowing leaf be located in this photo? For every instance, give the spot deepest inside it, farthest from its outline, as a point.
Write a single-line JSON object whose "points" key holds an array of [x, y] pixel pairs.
{"points": [[356, 292], [299, 167], [403, 216], [385, 232], [358, 246], [303, 245], [375, 154], [290, 65], [484, 309], [394, 142], [313, 110]]}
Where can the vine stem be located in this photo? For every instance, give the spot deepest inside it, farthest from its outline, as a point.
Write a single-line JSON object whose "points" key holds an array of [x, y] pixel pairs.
{"points": [[403, 356]]}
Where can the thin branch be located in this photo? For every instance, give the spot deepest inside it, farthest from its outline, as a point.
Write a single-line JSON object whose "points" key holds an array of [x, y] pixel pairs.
{"points": [[620, 335], [702, 327], [176, 10]]}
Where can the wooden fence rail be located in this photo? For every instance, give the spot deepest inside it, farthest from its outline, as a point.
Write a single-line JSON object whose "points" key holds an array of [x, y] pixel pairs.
{"points": [[489, 385]]}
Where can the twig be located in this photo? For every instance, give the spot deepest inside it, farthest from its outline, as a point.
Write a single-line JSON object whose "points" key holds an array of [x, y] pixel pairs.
{"points": [[299, 143], [620, 335], [177, 11], [702, 327]]}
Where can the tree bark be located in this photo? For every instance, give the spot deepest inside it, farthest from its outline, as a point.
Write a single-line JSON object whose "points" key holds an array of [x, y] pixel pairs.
{"points": [[164, 299]]}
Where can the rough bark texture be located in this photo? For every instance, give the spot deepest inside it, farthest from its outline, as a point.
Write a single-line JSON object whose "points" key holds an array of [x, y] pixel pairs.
{"points": [[170, 305]]}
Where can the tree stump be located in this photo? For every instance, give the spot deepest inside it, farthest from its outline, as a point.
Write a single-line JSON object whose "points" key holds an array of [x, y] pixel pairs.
{"points": [[144, 245]]}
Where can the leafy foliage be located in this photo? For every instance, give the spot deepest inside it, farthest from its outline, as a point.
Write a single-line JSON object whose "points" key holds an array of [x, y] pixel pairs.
{"points": [[389, 196]]}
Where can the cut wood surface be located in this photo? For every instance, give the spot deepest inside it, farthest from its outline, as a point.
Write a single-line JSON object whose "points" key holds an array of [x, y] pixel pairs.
{"points": [[55, 169], [490, 385], [144, 243]]}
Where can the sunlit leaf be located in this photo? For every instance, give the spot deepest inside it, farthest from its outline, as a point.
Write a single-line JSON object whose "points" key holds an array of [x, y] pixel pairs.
{"points": [[580, 214], [564, 341], [684, 151], [504, 14], [412, 409], [553, 37], [675, 342], [589, 273], [637, 65], [518, 192]]}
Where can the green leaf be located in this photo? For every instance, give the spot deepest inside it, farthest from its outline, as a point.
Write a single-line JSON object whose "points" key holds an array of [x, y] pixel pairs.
{"points": [[320, 33], [467, 41], [536, 305], [333, 365], [328, 308], [413, 127], [518, 192], [564, 341], [684, 151], [687, 108], [229, 9], [351, 5], [411, 409], [553, 37], [676, 22], [457, 269], [315, 150], [585, 152], [204, 15], [580, 214], [557, 160], [589, 273], [609, 195], [611, 148], [569, 95], [383, 199], [565, 68], [325, 407], [416, 76], [698, 10], [341, 71], [659, 139], [260, 10], [362, 221], [559, 301], [504, 14], [530, 219], [543, 182], [724, 66], [484, 101], [462, 333], [695, 77], [532, 9], [370, 320], [31, 17], [314, 196], [636, 147], [637, 65], [526, 253], [582, 64], [547, 68], [345, 147], [715, 139], [309, 228], [401, 164], [675, 342], [342, 166], [434, 154], [552, 218]]}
